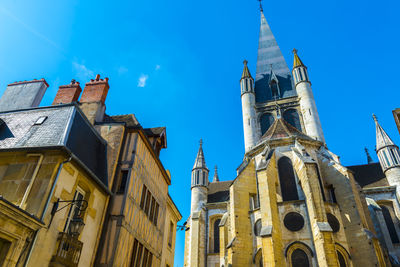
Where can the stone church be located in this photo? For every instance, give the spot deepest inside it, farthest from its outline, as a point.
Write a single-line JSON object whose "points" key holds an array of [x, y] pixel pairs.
{"points": [[292, 202]]}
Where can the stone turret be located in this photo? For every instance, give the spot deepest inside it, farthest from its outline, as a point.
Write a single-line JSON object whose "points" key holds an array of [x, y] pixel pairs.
{"points": [[250, 128], [389, 156], [308, 108], [199, 183]]}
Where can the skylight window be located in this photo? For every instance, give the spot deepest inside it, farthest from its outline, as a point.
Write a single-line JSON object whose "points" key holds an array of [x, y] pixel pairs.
{"points": [[40, 120]]}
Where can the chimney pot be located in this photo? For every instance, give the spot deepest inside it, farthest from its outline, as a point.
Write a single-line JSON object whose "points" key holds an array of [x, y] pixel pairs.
{"points": [[97, 77], [68, 93]]}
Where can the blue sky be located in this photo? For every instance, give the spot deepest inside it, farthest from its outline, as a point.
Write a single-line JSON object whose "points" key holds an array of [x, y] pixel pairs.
{"points": [[178, 64]]}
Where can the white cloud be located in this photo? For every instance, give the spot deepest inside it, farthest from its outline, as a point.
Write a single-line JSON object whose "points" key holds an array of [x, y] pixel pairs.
{"points": [[122, 70], [82, 72], [158, 67], [142, 80]]}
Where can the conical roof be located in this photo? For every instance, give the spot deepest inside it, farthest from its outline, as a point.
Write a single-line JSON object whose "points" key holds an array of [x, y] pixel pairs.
{"points": [[216, 178], [282, 129], [297, 61], [270, 57], [382, 139], [200, 162], [246, 71]]}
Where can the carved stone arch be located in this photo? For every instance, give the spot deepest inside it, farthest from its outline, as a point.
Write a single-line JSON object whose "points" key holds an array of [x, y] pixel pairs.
{"points": [[296, 247], [213, 236], [343, 255]]}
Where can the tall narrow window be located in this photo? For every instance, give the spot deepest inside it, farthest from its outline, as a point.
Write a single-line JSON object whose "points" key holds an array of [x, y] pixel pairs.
{"points": [[139, 255], [134, 252], [394, 156], [386, 158], [299, 258], [287, 179], [390, 225], [292, 117], [148, 199], [142, 201], [216, 235], [75, 210], [122, 182], [342, 261], [320, 183], [301, 75], [274, 89]]}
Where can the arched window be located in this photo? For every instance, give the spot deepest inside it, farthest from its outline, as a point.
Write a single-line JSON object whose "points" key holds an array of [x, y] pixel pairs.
{"points": [[266, 121], [292, 117], [274, 89], [390, 225], [287, 179], [216, 235], [342, 261], [299, 258], [257, 227]]}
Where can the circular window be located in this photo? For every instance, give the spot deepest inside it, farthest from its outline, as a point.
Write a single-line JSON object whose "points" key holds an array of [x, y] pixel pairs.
{"points": [[333, 222], [257, 227], [294, 221]]}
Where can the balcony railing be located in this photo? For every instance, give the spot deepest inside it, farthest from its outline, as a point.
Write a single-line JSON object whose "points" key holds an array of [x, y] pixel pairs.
{"points": [[68, 250]]}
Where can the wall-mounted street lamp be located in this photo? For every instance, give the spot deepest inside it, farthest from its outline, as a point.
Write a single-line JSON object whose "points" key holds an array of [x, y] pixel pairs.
{"points": [[76, 224], [182, 227]]}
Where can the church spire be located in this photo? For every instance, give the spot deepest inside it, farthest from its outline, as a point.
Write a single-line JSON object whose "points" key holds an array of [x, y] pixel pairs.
{"points": [[369, 159], [200, 171], [246, 71], [297, 61], [382, 139], [270, 57], [216, 178]]}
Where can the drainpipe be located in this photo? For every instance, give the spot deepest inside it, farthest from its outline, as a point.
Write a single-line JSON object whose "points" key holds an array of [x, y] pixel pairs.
{"points": [[45, 209]]}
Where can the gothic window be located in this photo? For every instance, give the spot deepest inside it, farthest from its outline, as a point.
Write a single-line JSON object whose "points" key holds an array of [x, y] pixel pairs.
{"points": [[292, 117], [287, 179], [301, 75], [216, 235], [299, 258], [266, 121], [342, 261], [296, 77], [390, 225], [274, 89], [386, 158]]}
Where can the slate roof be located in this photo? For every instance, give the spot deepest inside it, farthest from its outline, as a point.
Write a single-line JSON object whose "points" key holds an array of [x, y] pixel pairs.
{"points": [[369, 175], [282, 129], [63, 127], [129, 120], [218, 191], [156, 131]]}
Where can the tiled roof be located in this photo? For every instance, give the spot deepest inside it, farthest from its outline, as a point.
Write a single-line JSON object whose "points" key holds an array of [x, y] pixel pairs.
{"points": [[282, 129], [369, 175], [156, 131], [218, 191], [129, 119]]}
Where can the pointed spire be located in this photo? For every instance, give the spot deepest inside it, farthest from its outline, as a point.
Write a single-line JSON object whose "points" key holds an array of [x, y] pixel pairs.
{"points": [[270, 56], [382, 139], [216, 178], [246, 71], [369, 159], [297, 61], [261, 8], [200, 162]]}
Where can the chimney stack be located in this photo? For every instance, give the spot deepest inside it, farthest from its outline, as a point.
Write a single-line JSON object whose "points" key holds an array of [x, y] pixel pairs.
{"points": [[68, 93], [93, 98], [22, 95], [95, 90]]}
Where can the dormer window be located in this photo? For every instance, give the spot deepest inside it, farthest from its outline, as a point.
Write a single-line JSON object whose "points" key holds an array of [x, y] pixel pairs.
{"points": [[274, 89]]}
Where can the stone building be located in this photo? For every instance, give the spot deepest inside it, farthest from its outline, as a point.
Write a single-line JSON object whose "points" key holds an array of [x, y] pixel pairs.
{"points": [[79, 187], [380, 183], [292, 202]]}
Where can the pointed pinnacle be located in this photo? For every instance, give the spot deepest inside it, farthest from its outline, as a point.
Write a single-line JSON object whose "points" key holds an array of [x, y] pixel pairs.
{"points": [[375, 118]]}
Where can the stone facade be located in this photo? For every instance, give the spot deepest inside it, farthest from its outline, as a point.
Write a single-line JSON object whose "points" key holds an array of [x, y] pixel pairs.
{"points": [[292, 202]]}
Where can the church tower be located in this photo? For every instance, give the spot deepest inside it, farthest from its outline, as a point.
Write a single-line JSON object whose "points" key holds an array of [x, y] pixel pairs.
{"points": [[250, 128], [308, 108], [389, 156], [199, 181]]}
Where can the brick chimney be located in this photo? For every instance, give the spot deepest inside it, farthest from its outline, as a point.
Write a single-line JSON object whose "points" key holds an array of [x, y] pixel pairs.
{"points": [[68, 93], [93, 98]]}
